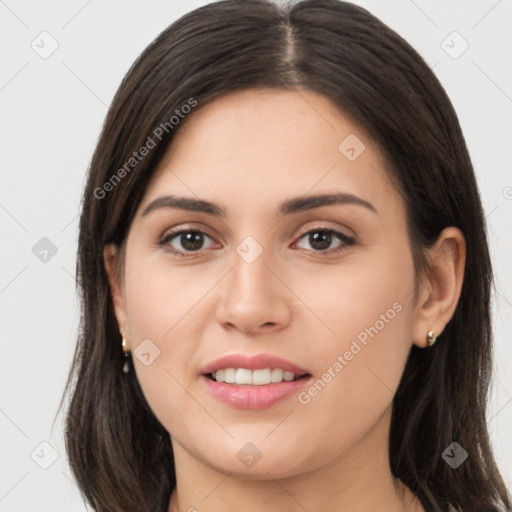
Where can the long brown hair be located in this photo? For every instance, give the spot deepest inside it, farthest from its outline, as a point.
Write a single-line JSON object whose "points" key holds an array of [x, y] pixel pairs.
{"points": [[120, 454]]}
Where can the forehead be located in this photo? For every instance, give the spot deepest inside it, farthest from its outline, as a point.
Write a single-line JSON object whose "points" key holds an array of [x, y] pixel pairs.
{"points": [[260, 146]]}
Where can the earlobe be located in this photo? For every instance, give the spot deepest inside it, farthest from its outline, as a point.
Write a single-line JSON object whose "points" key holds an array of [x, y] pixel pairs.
{"points": [[111, 261], [441, 288]]}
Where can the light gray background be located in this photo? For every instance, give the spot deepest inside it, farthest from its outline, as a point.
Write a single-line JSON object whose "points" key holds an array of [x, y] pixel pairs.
{"points": [[52, 111]]}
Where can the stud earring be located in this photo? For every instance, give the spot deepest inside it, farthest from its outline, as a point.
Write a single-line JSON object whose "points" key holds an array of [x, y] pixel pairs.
{"points": [[126, 366], [431, 338]]}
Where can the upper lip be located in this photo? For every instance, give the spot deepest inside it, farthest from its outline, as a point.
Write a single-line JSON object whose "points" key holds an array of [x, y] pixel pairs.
{"points": [[252, 362]]}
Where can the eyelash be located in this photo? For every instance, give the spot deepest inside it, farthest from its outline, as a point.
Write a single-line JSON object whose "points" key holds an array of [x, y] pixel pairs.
{"points": [[347, 241]]}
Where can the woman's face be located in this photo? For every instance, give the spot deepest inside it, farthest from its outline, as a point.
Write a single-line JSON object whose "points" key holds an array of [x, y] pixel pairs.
{"points": [[268, 280]]}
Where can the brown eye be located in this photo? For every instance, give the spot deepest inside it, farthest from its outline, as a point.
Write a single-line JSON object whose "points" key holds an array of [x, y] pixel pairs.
{"points": [[186, 241], [320, 239]]}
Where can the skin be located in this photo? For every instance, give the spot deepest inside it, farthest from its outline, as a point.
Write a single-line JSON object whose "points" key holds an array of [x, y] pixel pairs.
{"points": [[249, 151]]}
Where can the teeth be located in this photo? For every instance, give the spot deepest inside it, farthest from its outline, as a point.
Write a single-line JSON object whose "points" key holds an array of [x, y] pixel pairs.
{"points": [[243, 376], [230, 375], [277, 375], [261, 377], [288, 375]]}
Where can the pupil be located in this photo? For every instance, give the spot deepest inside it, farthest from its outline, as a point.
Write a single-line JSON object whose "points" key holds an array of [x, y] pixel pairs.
{"points": [[324, 240], [192, 241]]}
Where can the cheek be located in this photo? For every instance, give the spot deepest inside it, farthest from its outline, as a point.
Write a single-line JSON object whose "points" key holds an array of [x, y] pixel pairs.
{"points": [[160, 297], [165, 312], [360, 365]]}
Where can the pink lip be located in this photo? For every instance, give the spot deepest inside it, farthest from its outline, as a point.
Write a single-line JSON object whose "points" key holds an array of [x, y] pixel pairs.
{"points": [[256, 362], [253, 397]]}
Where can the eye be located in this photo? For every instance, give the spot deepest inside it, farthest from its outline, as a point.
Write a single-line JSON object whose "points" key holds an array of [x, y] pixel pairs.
{"points": [[321, 239], [187, 240]]}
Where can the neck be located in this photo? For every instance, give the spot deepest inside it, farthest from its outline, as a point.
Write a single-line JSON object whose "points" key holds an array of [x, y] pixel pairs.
{"points": [[357, 481]]}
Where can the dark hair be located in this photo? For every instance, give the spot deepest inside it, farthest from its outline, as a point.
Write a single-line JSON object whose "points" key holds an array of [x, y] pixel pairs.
{"points": [[120, 454]]}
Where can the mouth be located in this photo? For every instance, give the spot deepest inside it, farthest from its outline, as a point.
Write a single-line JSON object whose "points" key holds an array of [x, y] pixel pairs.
{"points": [[251, 389], [258, 381], [259, 377]]}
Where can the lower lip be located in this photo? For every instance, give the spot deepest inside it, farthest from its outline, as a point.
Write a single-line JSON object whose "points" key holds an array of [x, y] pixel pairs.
{"points": [[253, 397]]}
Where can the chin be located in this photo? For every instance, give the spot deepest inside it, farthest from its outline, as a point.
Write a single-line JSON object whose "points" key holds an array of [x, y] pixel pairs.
{"points": [[258, 461]]}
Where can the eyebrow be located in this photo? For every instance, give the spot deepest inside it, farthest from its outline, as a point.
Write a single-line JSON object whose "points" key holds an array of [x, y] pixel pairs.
{"points": [[290, 206]]}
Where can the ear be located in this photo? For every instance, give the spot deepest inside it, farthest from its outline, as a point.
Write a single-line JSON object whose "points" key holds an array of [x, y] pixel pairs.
{"points": [[440, 290], [111, 255]]}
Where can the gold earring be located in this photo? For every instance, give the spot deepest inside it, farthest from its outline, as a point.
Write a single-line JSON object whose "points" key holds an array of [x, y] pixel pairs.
{"points": [[431, 338], [126, 366]]}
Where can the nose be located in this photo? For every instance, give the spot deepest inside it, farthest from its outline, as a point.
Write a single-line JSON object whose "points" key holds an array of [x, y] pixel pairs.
{"points": [[253, 299]]}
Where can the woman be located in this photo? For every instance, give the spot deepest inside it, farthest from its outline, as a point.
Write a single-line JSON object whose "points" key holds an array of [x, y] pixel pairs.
{"points": [[280, 220]]}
